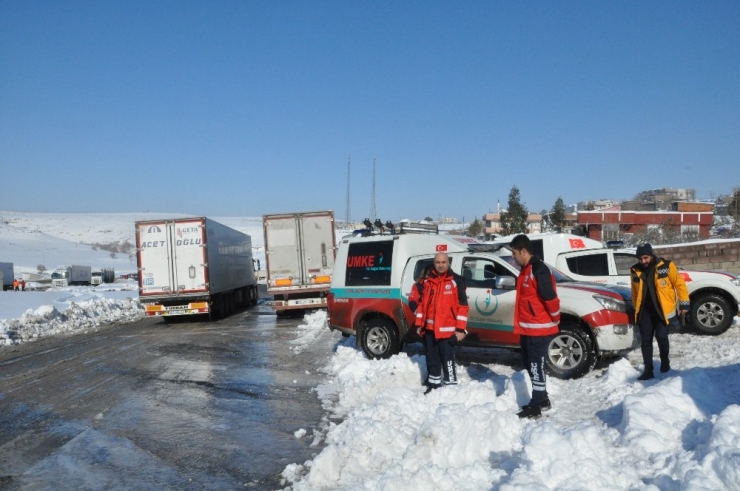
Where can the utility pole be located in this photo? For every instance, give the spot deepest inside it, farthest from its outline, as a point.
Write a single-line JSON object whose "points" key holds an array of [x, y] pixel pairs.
{"points": [[372, 199], [348, 216]]}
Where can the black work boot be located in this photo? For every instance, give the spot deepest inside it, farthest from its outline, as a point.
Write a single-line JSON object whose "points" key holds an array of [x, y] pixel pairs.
{"points": [[546, 405], [431, 387], [646, 375], [665, 366], [530, 412]]}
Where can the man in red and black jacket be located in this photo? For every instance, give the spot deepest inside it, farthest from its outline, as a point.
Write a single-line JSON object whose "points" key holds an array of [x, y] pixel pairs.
{"points": [[536, 319], [442, 318]]}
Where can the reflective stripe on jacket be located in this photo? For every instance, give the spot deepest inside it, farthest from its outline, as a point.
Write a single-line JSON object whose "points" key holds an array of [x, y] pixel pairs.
{"points": [[537, 311], [670, 288], [444, 305]]}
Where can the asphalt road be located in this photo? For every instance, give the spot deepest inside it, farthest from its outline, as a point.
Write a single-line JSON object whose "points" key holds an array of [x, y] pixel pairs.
{"points": [[150, 405]]}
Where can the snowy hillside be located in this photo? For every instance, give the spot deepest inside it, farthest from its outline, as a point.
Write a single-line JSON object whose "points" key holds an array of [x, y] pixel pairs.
{"points": [[52, 239]]}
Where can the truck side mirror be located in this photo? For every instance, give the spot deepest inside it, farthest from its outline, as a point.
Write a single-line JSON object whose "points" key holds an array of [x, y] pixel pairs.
{"points": [[505, 283]]}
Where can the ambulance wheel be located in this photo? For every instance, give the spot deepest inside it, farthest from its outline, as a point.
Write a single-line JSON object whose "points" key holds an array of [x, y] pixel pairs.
{"points": [[379, 338], [711, 314], [570, 353]]}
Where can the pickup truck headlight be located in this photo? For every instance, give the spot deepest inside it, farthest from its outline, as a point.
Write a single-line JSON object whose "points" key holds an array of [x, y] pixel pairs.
{"points": [[610, 303]]}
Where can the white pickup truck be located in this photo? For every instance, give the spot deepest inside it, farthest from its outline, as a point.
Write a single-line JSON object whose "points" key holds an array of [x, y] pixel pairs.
{"points": [[715, 296], [373, 277]]}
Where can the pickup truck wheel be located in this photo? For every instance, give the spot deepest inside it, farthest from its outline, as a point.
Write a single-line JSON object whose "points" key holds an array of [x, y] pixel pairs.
{"points": [[379, 338], [570, 353], [711, 314]]}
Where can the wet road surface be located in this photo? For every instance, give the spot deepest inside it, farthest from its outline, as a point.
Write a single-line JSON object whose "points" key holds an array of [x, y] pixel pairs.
{"points": [[154, 405]]}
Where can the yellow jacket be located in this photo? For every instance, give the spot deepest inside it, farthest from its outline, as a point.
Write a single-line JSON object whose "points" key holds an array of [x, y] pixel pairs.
{"points": [[669, 288]]}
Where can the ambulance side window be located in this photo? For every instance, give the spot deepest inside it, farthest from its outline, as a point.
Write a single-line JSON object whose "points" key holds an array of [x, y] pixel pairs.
{"points": [[369, 264], [589, 265], [420, 265]]}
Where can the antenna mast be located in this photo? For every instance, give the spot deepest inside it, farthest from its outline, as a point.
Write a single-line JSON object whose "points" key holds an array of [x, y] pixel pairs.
{"points": [[372, 199], [348, 216]]}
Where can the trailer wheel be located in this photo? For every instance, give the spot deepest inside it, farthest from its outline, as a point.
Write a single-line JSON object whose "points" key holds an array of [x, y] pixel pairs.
{"points": [[379, 338]]}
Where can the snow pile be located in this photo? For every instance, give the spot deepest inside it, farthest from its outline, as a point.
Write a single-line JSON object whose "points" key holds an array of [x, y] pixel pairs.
{"points": [[316, 325], [607, 430], [78, 317]]}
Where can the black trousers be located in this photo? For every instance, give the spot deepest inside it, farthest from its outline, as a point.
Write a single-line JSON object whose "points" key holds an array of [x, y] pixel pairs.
{"points": [[534, 354], [651, 324], [440, 360]]}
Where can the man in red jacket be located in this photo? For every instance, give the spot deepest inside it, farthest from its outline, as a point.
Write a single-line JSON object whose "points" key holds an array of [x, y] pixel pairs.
{"points": [[536, 319], [442, 316]]}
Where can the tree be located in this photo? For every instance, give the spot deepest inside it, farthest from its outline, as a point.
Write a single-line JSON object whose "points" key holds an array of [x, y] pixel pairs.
{"points": [[475, 228], [514, 219], [733, 208], [40, 268], [557, 214]]}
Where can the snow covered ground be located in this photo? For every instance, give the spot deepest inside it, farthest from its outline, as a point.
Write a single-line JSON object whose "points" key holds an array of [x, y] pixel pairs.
{"points": [[606, 430]]}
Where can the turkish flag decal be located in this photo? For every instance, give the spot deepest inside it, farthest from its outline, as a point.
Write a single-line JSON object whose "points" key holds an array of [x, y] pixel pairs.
{"points": [[441, 248]]}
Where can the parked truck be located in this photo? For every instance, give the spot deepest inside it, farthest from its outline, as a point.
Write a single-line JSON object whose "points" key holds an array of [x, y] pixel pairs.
{"points": [[299, 251], [194, 266], [102, 275], [71, 275], [7, 275]]}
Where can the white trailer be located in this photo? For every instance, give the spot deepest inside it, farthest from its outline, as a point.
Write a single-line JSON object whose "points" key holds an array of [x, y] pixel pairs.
{"points": [[7, 275], [299, 251], [193, 266], [71, 275]]}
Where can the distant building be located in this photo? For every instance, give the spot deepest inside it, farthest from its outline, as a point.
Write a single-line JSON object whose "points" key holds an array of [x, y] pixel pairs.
{"points": [[658, 199], [613, 224], [596, 205], [492, 224]]}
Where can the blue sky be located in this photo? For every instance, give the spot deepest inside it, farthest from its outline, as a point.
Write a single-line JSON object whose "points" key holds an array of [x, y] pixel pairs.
{"points": [[244, 108]]}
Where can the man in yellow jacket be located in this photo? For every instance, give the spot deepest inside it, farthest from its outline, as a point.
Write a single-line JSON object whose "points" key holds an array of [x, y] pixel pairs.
{"points": [[659, 294]]}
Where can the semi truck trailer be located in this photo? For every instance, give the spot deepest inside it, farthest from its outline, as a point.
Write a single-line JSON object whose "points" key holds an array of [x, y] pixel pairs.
{"points": [[190, 266], [299, 251], [7, 275]]}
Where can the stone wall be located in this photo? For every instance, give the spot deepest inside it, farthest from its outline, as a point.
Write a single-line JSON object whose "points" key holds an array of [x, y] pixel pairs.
{"points": [[719, 256]]}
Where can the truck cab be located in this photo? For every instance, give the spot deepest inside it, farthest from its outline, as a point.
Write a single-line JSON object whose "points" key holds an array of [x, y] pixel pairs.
{"points": [[373, 277]]}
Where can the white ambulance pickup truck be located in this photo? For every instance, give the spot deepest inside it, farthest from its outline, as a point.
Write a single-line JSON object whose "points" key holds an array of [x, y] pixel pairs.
{"points": [[715, 296], [373, 277]]}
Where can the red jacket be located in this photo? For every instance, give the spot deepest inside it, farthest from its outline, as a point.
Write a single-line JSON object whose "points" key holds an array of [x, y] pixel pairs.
{"points": [[537, 311], [415, 295], [444, 305]]}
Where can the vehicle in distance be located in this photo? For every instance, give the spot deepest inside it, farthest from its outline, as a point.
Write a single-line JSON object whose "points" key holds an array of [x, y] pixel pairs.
{"points": [[71, 275]]}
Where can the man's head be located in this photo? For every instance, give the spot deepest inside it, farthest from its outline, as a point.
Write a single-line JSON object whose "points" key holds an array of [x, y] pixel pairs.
{"points": [[521, 249], [644, 255], [441, 263]]}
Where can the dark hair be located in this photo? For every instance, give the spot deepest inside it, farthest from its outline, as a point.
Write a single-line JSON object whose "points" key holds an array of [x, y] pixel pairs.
{"points": [[521, 242]]}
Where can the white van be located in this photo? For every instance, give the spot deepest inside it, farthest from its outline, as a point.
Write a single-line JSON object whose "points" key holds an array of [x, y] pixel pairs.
{"points": [[373, 277]]}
